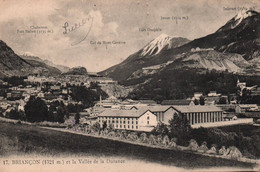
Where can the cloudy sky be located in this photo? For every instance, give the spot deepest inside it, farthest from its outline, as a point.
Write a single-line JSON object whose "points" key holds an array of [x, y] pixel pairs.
{"points": [[38, 27]]}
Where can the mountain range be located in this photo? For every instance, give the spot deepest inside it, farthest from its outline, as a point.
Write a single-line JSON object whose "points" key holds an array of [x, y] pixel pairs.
{"points": [[40, 66], [234, 47], [169, 65], [12, 64]]}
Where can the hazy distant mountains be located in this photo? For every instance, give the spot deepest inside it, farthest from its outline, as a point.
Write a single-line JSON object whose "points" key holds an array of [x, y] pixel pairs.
{"points": [[40, 67], [62, 68], [235, 48]]}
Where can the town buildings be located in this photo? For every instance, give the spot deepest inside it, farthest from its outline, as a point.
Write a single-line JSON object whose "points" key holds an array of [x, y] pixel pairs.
{"points": [[128, 114]]}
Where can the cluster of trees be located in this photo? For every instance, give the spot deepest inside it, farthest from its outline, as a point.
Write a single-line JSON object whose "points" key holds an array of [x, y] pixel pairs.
{"points": [[246, 98], [57, 112], [179, 129], [36, 110], [88, 96], [16, 114], [74, 108], [200, 101], [15, 80]]}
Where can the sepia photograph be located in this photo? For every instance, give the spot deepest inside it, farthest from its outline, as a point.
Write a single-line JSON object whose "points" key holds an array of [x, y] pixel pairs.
{"points": [[129, 85]]}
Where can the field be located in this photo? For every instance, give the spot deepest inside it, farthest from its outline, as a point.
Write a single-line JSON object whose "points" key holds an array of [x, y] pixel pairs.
{"points": [[18, 139]]}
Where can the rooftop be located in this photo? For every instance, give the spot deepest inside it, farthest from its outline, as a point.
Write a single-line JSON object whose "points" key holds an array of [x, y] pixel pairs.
{"points": [[123, 113], [154, 108], [138, 112], [176, 102], [147, 101], [197, 108]]}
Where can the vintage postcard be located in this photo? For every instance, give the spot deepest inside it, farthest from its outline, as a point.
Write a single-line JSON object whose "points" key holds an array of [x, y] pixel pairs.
{"points": [[129, 85]]}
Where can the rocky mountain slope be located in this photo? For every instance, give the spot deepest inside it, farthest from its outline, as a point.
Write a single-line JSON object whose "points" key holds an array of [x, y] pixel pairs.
{"points": [[200, 60], [11, 64], [163, 41], [234, 47], [144, 57]]}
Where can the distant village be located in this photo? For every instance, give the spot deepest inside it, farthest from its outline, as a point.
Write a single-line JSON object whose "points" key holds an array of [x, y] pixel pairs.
{"points": [[211, 110]]}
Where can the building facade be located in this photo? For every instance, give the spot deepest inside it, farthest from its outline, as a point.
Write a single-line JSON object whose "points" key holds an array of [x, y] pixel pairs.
{"points": [[128, 119], [201, 114], [146, 118]]}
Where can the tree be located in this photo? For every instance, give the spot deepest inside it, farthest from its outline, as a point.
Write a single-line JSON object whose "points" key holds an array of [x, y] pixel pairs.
{"points": [[15, 114], [36, 110], [222, 100], [51, 111], [60, 114], [86, 95], [196, 102], [104, 126], [74, 108], [202, 100], [95, 127], [76, 118], [160, 129], [180, 128], [110, 127]]}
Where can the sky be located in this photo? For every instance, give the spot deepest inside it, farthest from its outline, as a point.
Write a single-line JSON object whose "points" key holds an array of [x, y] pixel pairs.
{"points": [[107, 31]]}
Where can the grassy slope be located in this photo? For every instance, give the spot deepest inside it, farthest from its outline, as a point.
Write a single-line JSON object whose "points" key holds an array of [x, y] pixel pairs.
{"points": [[25, 139]]}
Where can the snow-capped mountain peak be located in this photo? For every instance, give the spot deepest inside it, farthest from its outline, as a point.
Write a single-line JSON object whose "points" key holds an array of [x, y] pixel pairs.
{"points": [[241, 16], [155, 46]]}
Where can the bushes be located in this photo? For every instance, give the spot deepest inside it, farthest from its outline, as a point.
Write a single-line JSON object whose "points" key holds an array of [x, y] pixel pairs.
{"points": [[15, 114], [193, 145], [233, 153], [166, 140], [95, 127], [172, 143], [159, 139], [213, 149], [203, 147], [132, 136], [248, 145], [143, 138], [163, 141], [111, 134], [152, 140]]}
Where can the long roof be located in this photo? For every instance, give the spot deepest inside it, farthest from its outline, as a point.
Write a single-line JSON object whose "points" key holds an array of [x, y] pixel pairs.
{"points": [[122, 113], [176, 102], [147, 101], [142, 110], [197, 108], [153, 108]]}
